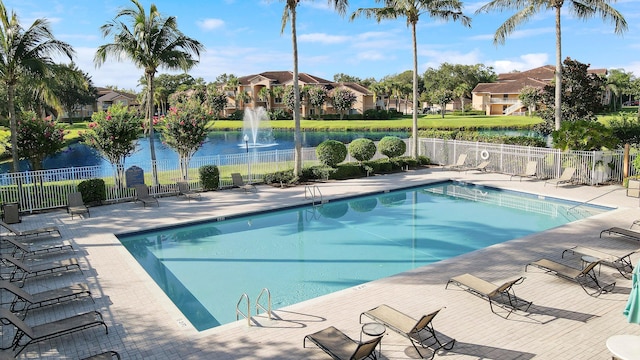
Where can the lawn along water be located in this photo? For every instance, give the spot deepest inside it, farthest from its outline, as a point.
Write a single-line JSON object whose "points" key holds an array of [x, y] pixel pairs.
{"points": [[304, 252]]}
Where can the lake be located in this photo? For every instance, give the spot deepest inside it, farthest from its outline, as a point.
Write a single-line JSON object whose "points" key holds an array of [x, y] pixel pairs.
{"points": [[217, 143]]}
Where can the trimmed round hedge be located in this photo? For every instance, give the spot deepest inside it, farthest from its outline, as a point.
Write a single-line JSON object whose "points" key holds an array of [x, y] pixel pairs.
{"points": [[392, 146], [331, 152], [362, 149]]}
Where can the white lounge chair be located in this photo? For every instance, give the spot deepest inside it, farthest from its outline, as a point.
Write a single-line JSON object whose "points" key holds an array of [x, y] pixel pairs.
{"points": [[239, 183], [585, 277], [502, 295], [622, 263], [459, 165], [530, 171], [566, 177], [419, 332]]}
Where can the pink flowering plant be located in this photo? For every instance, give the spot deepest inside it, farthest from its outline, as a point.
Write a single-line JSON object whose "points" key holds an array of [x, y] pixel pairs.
{"points": [[185, 130], [37, 138], [114, 133], [343, 100]]}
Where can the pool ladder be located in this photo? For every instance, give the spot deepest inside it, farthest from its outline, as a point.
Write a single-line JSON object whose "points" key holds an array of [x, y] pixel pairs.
{"points": [[311, 192], [259, 306]]}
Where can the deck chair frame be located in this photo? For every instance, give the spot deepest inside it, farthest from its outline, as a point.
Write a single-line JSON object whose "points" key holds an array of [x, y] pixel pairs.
{"points": [[239, 183], [582, 277], [107, 355], [142, 195], [19, 271], [49, 231], [23, 301], [419, 334], [49, 330], [530, 171], [184, 190], [340, 346], [482, 167], [503, 296], [621, 263], [76, 206], [21, 250], [630, 234]]}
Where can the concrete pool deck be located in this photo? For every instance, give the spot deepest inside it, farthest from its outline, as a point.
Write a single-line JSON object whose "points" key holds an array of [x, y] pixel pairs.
{"points": [[563, 322]]}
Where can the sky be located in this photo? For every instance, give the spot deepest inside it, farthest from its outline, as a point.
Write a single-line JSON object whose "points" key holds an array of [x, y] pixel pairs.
{"points": [[243, 37]]}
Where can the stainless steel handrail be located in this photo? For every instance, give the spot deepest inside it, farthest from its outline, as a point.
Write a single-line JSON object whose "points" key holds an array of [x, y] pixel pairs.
{"points": [[239, 312], [310, 193], [259, 306]]}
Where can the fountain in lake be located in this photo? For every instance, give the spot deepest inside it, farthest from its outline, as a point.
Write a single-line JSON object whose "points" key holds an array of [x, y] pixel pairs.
{"points": [[256, 129]]}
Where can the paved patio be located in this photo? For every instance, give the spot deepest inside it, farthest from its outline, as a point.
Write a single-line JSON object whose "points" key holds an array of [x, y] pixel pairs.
{"points": [[563, 323]]}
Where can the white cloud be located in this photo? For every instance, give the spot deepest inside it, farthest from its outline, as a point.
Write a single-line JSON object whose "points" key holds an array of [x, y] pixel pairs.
{"points": [[521, 34], [210, 24], [372, 56], [323, 38], [121, 74], [525, 62], [436, 57]]}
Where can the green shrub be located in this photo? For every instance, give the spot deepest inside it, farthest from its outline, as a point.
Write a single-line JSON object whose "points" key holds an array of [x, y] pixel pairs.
{"points": [[381, 166], [236, 115], [375, 114], [279, 177], [209, 177], [468, 113], [362, 149], [347, 171], [93, 191], [392, 146], [331, 152], [320, 172], [279, 114], [423, 160]]}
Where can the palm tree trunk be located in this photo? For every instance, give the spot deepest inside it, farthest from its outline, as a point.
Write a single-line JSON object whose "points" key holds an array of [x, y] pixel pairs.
{"points": [[297, 168], [152, 147], [414, 133], [558, 99], [13, 126]]}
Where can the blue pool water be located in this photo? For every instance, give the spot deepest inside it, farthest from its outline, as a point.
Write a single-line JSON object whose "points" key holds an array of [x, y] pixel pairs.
{"points": [[305, 252]]}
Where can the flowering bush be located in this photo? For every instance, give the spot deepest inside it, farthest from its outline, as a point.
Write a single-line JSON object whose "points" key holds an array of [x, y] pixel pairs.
{"points": [[317, 97], [185, 130], [289, 98], [38, 138], [113, 133], [343, 100]]}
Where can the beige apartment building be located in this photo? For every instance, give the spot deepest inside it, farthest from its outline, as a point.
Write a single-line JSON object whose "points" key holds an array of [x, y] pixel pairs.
{"points": [[501, 97], [248, 93]]}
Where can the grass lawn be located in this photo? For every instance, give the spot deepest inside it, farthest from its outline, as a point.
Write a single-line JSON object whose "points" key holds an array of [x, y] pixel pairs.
{"points": [[402, 124]]}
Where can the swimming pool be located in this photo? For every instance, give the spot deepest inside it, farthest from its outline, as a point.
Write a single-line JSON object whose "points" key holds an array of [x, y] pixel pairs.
{"points": [[305, 252]]}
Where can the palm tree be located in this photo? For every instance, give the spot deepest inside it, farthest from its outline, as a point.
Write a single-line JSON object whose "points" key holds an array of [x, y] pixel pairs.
{"points": [[265, 95], [24, 52], [376, 89], [526, 9], [412, 9], [150, 41], [290, 13]]}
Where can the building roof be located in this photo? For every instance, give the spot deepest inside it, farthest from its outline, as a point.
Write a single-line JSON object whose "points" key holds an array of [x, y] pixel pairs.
{"points": [[286, 77], [514, 82], [283, 77]]}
